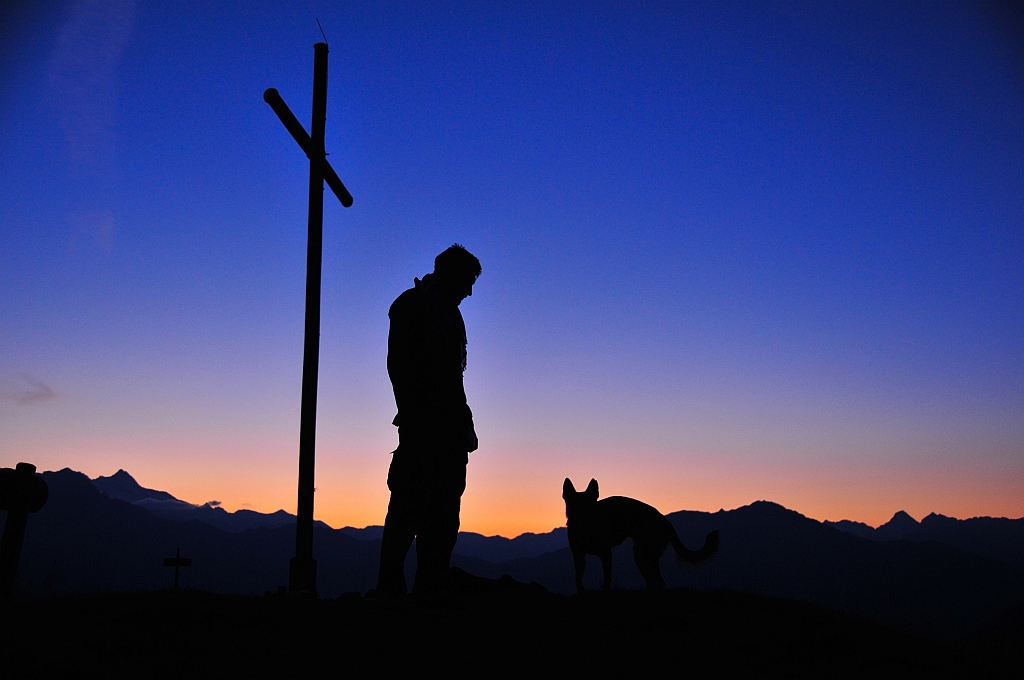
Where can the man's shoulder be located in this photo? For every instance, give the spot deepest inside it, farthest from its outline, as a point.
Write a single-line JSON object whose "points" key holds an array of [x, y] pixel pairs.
{"points": [[405, 304]]}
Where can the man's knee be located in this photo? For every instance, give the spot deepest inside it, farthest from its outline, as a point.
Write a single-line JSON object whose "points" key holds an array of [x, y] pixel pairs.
{"points": [[402, 511]]}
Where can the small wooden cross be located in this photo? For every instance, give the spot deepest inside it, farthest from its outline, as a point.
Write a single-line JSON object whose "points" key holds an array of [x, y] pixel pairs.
{"points": [[177, 562]]}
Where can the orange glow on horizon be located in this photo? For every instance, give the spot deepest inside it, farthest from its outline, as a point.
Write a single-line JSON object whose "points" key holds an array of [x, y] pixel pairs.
{"points": [[511, 494]]}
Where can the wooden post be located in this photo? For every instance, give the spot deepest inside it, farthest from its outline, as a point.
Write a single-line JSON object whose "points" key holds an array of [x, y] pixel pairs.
{"points": [[302, 569]]}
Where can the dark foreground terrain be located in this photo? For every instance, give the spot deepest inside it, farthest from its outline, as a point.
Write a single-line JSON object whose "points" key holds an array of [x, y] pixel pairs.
{"points": [[521, 632], [953, 580]]}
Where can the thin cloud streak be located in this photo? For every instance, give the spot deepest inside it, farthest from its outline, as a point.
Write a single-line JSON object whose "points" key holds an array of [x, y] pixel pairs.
{"points": [[25, 388]]}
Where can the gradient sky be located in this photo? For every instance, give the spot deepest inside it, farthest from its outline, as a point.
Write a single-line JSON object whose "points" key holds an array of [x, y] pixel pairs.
{"points": [[731, 251]]}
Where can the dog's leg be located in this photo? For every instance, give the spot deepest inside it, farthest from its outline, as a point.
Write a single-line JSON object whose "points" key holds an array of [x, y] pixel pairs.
{"points": [[580, 560], [647, 562], [606, 562], [651, 572]]}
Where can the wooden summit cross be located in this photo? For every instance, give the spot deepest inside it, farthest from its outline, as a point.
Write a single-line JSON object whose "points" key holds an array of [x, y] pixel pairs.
{"points": [[177, 562], [302, 570]]}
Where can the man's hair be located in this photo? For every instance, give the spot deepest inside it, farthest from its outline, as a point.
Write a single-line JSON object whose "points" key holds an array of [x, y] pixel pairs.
{"points": [[457, 263]]}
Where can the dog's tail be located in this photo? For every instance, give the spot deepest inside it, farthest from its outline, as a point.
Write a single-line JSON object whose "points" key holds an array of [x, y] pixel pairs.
{"points": [[684, 553]]}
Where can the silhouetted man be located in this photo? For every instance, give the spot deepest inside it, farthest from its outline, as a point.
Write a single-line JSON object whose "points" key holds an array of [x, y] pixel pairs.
{"points": [[426, 360]]}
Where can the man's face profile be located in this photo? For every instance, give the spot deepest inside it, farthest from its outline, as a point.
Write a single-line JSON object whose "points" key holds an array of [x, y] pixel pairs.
{"points": [[464, 290], [458, 289]]}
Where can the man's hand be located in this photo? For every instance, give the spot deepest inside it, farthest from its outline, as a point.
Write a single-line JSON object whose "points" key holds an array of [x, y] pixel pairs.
{"points": [[472, 443]]}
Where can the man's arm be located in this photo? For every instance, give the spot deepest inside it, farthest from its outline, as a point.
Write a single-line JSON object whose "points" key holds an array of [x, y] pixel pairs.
{"points": [[402, 360]]}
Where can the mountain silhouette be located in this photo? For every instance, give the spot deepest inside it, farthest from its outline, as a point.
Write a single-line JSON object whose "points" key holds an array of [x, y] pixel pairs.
{"points": [[85, 541], [123, 486], [899, 527], [370, 533], [488, 548], [501, 549], [856, 528], [997, 538]]}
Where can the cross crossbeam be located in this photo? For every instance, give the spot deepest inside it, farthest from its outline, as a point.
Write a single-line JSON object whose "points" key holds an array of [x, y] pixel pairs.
{"points": [[291, 123]]}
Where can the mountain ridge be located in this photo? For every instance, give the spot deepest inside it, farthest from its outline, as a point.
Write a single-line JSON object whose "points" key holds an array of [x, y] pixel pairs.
{"points": [[84, 541], [996, 538]]}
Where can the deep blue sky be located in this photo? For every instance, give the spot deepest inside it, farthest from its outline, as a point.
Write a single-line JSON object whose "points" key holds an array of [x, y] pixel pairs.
{"points": [[731, 250]]}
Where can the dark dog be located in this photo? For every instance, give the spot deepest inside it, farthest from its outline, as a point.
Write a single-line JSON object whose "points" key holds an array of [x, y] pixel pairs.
{"points": [[595, 527]]}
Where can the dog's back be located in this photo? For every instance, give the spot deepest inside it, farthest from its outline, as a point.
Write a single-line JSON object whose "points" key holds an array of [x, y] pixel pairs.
{"points": [[608, 522], [595, 527]]}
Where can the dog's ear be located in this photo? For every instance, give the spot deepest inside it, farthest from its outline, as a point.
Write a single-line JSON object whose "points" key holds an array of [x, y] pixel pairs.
{"points": [[567, 489], [592, 489]]}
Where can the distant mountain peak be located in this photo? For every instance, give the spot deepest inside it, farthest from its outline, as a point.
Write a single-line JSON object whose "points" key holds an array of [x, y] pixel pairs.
{"points": [[122, 476], [903, 519], [122, 486], [902, 525], [770, 509], [769, 505]]}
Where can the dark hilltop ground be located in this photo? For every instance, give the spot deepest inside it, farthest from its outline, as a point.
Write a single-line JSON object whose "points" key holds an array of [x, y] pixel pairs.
{"points": [[521, 631]]}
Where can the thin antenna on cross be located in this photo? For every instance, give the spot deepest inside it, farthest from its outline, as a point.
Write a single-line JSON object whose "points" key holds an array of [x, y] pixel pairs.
{"points": [[321, 30]]}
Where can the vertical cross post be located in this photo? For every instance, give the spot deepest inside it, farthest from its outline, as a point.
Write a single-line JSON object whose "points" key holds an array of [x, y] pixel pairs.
{"points": [[302, 570]]}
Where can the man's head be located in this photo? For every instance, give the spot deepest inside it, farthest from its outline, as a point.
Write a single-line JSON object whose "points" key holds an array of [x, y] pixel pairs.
{"points": [[456, 270]]}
